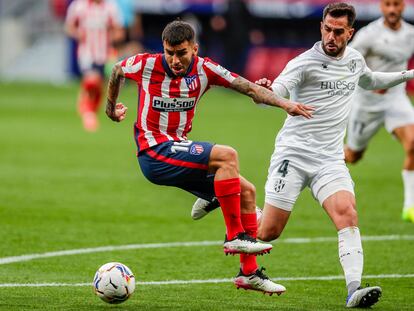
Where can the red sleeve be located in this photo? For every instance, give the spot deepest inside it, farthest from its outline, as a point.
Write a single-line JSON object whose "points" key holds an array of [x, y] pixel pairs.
{"points": [[218, 75], [132, 66]]}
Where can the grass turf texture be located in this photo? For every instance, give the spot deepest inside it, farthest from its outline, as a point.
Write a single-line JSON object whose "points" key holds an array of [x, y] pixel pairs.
{"points": [[62, 188]]}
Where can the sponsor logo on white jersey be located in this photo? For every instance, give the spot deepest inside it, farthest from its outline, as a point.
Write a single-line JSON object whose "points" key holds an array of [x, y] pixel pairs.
{"points": [[339, 87], [178, 104]]}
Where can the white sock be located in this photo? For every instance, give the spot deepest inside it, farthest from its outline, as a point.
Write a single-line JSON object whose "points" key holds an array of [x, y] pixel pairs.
{"points": [[351, 256], [408, 180]]}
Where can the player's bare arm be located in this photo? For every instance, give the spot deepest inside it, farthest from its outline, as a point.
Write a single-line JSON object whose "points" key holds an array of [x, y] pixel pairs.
{"points": [[72, 31], [115, 111], [262, 95]]}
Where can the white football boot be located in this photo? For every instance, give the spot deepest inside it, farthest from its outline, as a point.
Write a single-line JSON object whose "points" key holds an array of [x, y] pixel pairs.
{"points": [[244, 243], [364, 297], [258, 281], [202, 207]]}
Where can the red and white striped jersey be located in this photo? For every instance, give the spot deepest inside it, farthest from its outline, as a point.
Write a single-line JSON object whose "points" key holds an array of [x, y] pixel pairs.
{"points": [[94, 20], [167, 103]]}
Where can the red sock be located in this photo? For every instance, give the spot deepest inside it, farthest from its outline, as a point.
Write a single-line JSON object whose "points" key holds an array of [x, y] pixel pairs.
{"points": [[248, 263], [83, 103], [96, 100], [92, 92], [228, 194]]}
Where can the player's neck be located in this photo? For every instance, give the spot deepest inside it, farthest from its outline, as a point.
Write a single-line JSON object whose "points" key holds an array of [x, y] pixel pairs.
{"points": [[396, 26]]}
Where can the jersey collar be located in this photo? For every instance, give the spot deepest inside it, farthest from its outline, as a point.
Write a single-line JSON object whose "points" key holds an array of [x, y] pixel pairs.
{"points": [[169, 71]]}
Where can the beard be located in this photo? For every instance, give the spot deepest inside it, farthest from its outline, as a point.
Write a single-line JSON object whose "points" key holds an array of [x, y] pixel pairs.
{"points": [[335, 53]]}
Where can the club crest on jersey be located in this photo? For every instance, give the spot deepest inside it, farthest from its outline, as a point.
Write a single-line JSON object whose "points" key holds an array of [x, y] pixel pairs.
{"points": [[352, 65], [280, 185], [191, 82], [196, 149]]}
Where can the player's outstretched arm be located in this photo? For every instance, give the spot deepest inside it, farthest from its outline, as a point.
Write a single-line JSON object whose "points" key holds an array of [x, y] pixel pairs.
{"points": [[263, 95], [115, 111], [383, 80]]}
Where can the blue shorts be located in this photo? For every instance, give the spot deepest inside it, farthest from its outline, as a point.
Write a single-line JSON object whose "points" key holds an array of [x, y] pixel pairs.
{"points": [[182, 164]]}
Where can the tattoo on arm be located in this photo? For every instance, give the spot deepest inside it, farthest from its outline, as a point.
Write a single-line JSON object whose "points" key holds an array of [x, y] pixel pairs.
{"points": [[257, 93], [114, 85], [241, 85]]}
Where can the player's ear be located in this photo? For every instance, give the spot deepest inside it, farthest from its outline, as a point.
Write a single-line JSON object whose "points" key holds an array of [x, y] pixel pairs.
{"points": [[351, 33], [195, 48]]}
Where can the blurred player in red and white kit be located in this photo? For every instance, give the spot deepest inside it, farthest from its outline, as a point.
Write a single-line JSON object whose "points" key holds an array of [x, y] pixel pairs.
{"points": [[95, 25], [170, 86]]}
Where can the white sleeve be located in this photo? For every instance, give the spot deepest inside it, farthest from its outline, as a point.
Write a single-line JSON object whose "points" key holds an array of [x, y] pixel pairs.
{"points": [[115, 16], [361, 41], [290, 78], [383, 80], [72, 13]]}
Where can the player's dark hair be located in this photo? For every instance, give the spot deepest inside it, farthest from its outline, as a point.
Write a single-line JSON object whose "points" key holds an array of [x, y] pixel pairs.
{"points": [[340, 9], [177, 32]]}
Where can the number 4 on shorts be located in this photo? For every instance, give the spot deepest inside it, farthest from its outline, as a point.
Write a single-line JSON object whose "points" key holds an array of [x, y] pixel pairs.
{"points": [[283, 168]]}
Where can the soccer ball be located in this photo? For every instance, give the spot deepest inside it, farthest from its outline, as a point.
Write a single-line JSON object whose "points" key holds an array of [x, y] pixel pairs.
{"points": [[114, 282]]}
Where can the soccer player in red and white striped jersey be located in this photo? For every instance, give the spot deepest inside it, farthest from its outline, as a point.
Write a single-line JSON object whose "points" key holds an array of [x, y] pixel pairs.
{"points": [[94, 24], [170, 86]]}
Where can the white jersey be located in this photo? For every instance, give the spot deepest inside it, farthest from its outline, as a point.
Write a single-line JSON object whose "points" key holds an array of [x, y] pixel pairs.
{"points": [[384, 50], [328, 84]]}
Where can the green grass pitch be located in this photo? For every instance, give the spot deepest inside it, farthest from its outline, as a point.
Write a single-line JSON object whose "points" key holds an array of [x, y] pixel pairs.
{"points": [[62, 188]]}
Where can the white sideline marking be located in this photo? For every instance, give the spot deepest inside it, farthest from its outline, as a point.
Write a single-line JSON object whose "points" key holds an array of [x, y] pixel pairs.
{"points": [[212, 281], [28, 257]]}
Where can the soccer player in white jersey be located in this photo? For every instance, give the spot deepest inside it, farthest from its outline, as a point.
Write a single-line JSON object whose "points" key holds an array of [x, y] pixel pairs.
{"points": [[387, 44], [95, 25], [309, 153], [170, 86]]}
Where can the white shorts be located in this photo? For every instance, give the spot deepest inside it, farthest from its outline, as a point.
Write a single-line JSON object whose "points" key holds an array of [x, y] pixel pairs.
{"points": [[291, 171], [364, 121]]}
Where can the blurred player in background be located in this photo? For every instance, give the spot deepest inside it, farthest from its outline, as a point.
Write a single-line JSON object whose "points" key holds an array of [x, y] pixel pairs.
{"points": [[387, 44], [310, 153], [95, 25], [170, 86]]}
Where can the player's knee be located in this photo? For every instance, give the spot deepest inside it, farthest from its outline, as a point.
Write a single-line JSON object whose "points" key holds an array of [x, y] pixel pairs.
{"points": [[230, 159], [346, 213], [231, 155]]}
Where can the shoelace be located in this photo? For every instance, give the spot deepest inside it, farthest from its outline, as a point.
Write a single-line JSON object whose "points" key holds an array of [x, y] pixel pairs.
{"points": [[260, 274], [366, 285], [245, 237]]}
